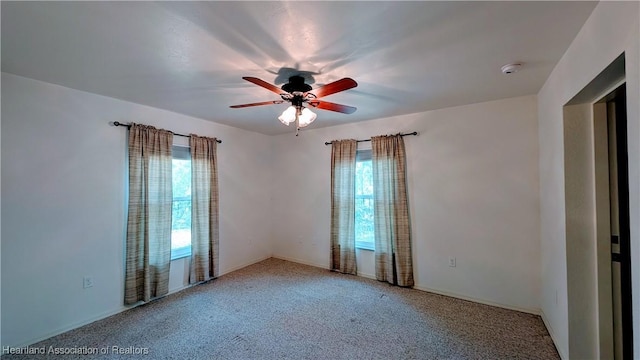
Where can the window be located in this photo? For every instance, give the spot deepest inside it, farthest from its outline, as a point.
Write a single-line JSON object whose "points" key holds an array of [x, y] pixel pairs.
{"points": [[181, 211], [364, 201]]}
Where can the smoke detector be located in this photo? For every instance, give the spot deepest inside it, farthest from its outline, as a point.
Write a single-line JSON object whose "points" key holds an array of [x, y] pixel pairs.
{"points": [[511, 68]]}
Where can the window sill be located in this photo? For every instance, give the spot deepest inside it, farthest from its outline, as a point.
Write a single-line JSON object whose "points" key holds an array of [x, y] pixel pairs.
{"points": [[180, 253], [365, 246]]}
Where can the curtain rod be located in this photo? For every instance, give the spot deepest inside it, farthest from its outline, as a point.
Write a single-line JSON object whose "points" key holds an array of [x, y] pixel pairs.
{"points": [[365, 140], [116, 123]]}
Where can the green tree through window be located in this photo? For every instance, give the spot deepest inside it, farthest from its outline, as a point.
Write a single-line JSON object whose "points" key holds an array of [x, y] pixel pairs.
{"points": [[364, 201], [181, 211]]}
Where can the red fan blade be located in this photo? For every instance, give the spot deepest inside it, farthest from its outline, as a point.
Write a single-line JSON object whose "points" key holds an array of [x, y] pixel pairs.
{"points": [[264, 84], [257, 104], [334, 87], [325, 105]]}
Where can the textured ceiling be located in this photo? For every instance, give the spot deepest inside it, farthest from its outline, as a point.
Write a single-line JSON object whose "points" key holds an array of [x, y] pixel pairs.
{"points": [[190, 57]]}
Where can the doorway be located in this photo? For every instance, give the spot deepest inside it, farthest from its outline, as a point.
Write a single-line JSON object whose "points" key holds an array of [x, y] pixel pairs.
{"points": [[613, 228], [597, 189], [618, 172]]}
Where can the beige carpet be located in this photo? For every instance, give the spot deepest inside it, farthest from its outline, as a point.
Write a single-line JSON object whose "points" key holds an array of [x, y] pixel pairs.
{"points": [[281, 310]]}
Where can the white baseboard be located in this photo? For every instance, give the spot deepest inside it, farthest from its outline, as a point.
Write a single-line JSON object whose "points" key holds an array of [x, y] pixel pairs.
{"points": [[325, 267], [303, 262], [477, 300], [463, 297], [244, 265], [70, 327], [123, 308], [368, 276], [553, 337], [427, 289]]}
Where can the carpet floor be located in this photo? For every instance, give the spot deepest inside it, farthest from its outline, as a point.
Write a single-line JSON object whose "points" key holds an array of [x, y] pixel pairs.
{"points": [[277, 309]]}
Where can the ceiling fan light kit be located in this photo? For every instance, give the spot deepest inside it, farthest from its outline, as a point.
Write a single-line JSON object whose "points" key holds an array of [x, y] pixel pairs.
{"points": [[306, 117], [288, 116], [298, 93]]}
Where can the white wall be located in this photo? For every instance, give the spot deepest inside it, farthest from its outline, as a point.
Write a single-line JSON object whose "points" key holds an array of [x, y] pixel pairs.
{"points": [[473, 194], [611, 30], [581, 232], [63, 203]]}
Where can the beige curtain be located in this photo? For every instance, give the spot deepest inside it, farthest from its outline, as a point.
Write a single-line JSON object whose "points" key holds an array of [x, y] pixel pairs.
{"points": [[343, 174], [391, 211], [148, 246], [204, 209]]}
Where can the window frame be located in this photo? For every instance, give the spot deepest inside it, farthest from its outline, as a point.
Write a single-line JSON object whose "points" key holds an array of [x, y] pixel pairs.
{"points": [[361, 156], [180, 153]]}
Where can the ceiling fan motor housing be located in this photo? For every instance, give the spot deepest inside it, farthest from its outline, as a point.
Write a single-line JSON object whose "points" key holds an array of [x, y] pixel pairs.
{"points": [[296, 84]]}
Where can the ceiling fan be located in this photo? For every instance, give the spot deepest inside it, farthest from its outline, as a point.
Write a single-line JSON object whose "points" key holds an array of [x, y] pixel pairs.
{"points": [[298, 93]]}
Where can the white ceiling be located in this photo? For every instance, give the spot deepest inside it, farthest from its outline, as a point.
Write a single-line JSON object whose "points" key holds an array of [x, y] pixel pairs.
{"points": [[190, 57]]}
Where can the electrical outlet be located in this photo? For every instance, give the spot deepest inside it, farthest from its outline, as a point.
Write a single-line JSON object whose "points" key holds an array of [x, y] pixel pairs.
{"points": [[452, 262], [87, 282]]}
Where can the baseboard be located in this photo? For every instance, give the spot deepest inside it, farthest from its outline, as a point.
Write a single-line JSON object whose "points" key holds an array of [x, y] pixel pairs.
{"points": [[477, 300], [303, 262], [368, 276], [426, 289], [122, 309], [69, 327], [244, 265], [553, 337]]}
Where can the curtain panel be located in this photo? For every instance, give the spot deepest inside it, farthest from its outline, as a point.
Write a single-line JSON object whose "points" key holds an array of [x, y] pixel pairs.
{"points": [[391, 211], [148, 243], [204, 209], [343, 173]]}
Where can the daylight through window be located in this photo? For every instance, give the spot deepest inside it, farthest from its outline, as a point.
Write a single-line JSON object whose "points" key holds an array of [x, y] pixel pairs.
{"points": [[181, 211], [364, 201]]}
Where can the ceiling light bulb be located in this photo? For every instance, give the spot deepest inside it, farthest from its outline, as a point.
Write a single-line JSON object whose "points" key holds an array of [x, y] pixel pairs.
{"points": [[306, 117], [288, 116]]}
